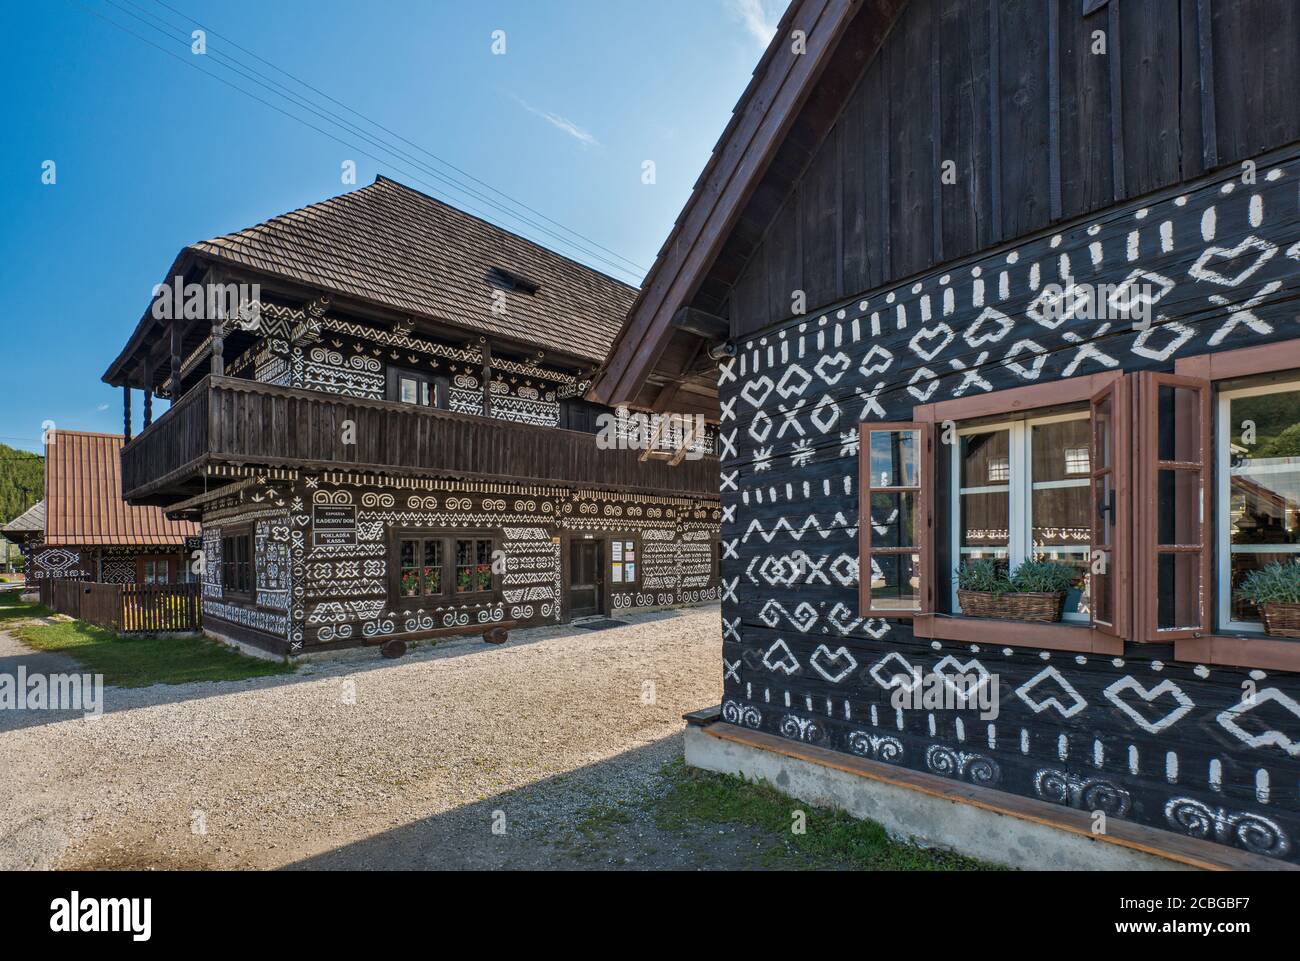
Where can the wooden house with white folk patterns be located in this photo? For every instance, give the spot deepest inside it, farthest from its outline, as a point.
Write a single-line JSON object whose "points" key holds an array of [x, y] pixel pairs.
{"points": [[1006, 301], [384, 437]]}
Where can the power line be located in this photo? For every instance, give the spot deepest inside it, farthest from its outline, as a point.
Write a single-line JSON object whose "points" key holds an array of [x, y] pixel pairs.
{"points": [[411, 143], [324, 115]]}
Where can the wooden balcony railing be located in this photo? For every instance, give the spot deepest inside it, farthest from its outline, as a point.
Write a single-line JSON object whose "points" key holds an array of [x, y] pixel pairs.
{"points": [[225, 420]]}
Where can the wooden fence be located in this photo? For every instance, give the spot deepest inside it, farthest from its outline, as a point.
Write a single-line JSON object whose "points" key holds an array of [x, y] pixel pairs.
{"points": [[128, 608]]}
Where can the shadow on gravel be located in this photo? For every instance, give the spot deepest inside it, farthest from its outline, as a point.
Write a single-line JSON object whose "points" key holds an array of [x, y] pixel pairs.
{"points": [[346, 664], [599, 817]]}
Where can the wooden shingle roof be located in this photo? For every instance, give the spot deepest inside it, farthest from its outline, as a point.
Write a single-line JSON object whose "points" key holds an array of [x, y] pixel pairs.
{"points": [[83, 497], [27, 525], [396, 247]]}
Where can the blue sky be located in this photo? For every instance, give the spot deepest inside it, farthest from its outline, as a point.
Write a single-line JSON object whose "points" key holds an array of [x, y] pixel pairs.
{"points": [[151, 154]]}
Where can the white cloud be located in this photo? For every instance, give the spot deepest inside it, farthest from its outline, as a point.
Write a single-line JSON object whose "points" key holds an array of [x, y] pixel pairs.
{"points": [[584, 137], [754, 15], [102, 407]]}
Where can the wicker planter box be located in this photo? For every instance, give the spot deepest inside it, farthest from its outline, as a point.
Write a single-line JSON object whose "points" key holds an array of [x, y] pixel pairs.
{"points": [[1282, 620], [1013, 607]]}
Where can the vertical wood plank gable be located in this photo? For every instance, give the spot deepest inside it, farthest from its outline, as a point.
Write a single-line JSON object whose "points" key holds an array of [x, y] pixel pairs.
{"points": [[1084, 115]]}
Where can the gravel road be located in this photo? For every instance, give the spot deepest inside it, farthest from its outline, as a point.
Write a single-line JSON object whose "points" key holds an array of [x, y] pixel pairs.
{"points": [[460, 755]]}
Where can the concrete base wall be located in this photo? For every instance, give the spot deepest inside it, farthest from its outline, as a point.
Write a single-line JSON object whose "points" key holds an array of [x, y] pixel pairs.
{"points": [[911, 815]]}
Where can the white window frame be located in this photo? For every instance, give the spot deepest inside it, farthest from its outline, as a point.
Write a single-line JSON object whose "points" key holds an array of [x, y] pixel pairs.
{"points": [[1020, 509], [1223, 505]]}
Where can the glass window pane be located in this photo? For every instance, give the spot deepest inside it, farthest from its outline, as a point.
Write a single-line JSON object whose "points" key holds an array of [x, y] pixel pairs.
{"points": [[1263, 435], [1178, 580], [986, 459], [1104, 420], [483, 580], [432, 567], [1101, 584], [893, 520], [408, 574], [984, 523], [1243, 562], [895, 460], [895, 582], [1178, 507], [407, 388], [424, 394], [1264, 439], [1062, 517], [1060, 451], [1179, 424], [464, 567], [1078, 600]]}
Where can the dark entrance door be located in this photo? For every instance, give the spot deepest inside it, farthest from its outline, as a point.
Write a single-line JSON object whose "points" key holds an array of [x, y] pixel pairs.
{"points": [[586, 577]]}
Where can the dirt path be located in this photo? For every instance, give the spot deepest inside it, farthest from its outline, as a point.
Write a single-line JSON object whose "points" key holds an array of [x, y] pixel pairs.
{"points": [[366, 763]]}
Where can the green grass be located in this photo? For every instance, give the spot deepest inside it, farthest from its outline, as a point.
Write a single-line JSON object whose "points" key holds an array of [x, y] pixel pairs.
{"points": [[13, 609], [133, 661], [832, 839]]}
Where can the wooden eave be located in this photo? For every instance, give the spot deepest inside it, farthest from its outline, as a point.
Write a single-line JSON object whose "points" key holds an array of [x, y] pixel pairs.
{"points": [[761, 153]]}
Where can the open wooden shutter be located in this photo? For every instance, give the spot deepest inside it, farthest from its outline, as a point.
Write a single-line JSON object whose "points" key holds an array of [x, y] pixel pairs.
{"points": [[1171, 588], [894, 530], [1110, 578]]}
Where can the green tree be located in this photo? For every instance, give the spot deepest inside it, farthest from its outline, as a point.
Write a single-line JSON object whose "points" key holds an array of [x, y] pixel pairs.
{"points": [[22, 481]]}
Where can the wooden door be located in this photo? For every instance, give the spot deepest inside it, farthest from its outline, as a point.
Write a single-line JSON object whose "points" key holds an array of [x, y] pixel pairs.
{"points": [[586, 577]]}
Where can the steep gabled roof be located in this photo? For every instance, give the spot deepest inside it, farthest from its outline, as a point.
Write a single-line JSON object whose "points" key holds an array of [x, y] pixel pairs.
{"points": [[27, 525], [83, 497], [783, 82], [396, 247]]}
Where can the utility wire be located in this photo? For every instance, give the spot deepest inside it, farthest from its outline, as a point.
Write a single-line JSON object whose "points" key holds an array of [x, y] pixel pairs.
{"points": [[410, 143], [300, 101], [330, 117], [327, 133]]}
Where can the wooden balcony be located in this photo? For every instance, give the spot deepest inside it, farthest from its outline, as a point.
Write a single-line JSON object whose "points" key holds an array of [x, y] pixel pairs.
{"points": [[225, 420]]}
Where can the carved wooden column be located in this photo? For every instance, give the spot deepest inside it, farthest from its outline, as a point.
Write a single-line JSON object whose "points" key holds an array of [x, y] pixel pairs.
{"points": [[126, 410], [177, 361], [148, 392], [218, 349]]}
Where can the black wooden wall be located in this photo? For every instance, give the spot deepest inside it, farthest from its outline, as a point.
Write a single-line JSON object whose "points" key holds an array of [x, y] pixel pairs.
{"points": [[1140, 735], [1038, 128]]}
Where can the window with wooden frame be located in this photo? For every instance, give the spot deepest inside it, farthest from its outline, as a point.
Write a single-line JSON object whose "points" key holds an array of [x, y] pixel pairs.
{"points": [[1020, 492], [1024, 478], [420, 568], [1253, 446], [414, 387], [894, 519], [237, 573], [1257, 496], [1172, 599], [1111, 515], [427, 566], [473, 556], [1190, 481], [154, 570]]}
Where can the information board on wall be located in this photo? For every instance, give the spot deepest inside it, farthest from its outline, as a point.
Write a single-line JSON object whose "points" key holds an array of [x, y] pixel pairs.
{"points": [[622, 556], [333, 525]]}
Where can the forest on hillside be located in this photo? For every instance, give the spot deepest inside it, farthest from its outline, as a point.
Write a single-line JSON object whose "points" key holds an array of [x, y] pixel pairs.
{"points": [[22, 481]]}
